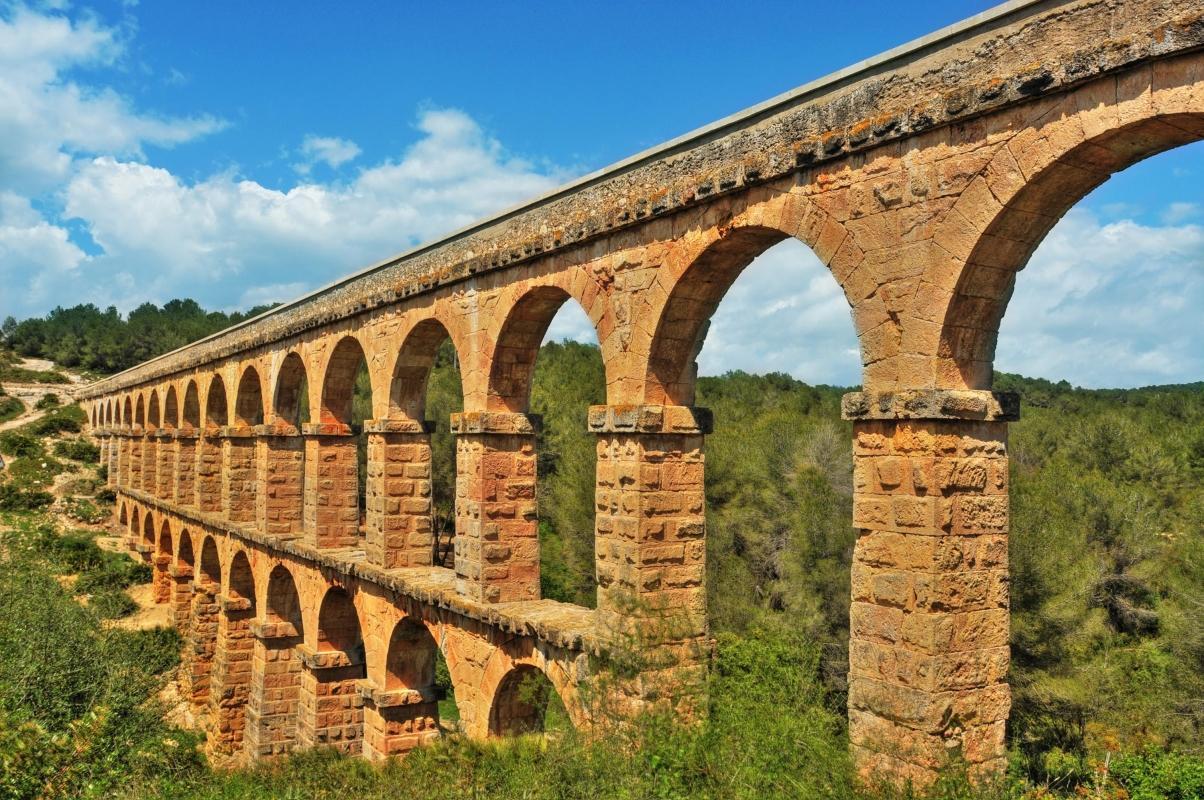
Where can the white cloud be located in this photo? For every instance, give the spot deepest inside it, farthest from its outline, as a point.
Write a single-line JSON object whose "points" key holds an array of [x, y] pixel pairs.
{"points": [[1112, 304], [47, 120], [329, 150], [164, 237]]}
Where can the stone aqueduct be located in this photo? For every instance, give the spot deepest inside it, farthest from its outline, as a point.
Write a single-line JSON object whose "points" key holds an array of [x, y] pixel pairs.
{"points": [[923, 179]]}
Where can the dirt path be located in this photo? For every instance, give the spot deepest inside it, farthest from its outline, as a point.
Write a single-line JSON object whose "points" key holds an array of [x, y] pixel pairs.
{"points": [[29, 416]]}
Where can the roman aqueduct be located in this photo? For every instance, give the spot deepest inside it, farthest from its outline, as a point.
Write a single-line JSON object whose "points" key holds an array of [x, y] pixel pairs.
{"points": [[923, 179]]}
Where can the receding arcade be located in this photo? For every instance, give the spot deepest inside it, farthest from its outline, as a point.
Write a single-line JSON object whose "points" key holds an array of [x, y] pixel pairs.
{"points": [[923, 182]]}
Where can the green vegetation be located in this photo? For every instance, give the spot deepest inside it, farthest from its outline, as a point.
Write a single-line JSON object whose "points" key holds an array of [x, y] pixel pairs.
{"points": [[10, 408], [1107, 559], [86, 338]]}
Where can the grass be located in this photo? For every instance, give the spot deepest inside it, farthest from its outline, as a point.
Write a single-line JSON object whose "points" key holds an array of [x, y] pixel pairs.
{"points": [[10, 408], [14, 374]]}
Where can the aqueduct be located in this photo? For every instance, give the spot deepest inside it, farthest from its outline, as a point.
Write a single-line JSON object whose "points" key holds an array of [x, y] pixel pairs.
{"points": [[923, 179]]}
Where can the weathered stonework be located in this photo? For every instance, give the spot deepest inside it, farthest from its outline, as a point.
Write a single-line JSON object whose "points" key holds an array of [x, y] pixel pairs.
{"points": [[922, 180]]}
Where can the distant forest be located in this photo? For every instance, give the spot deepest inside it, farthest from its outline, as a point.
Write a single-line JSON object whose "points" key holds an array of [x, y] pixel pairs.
{"points": [[85, 338]]}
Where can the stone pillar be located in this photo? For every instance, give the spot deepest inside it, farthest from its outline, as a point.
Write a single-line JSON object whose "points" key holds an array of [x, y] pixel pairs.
{"points": [[161, 583], [497, 529], [199, 647], [230, 682], [209, 472], [239, 474], [273, 702], [280, 501], [331, 711], [150, 461], [397, 721], [928, 649], [166, 472], [332, 515], [399, 524], [123, 458], [113, 456], [134, 479], [181, 598], [184, 489], [650, 542]]}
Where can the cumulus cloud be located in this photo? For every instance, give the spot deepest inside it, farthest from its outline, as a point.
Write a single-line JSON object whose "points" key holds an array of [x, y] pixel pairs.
{"points": [[164, 237], [1109, 304], [329, 150], [48, 120]]}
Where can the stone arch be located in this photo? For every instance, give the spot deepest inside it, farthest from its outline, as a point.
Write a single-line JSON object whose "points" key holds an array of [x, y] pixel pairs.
{"points": [[511, 711], [210, 571], [291, 397], [241, 581], [517, 346], [693, 298], [248, 405], [140, 412], [154, 410], [185, 573], [1016, 210], [216, 406], [191, 417], [123, 517], [339, 629], [171, 408], [415, 359], [283, 603], [148, 533], [410, 659], [338, 382], [185, 557], [127, 417]]}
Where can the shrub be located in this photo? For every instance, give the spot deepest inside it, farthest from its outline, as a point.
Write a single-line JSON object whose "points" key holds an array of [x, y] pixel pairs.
{"points": [[14, 497], [1153, 775], [77, 450], [64, 419], [112, 604], [19, 444], [10, 408], [48, 401], [106, 495]]}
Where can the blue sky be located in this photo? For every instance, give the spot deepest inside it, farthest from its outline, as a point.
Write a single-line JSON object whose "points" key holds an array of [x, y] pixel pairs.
{"points": [[247, 152]]}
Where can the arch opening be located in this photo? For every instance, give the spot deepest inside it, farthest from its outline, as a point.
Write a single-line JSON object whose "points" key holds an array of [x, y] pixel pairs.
{"points": [[283, 602], [211, 565], [152, 416], [216, 414], [291, 399], [427, 387], [248, 404], [339, 629], [972, 320], [191, 416], [171, 409], [526, 702], [242, 581]]}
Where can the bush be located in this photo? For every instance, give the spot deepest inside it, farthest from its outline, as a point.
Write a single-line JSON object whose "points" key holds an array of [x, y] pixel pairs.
{"points": [[1153, 775], [10, 408], [112, 604], [19, 444], [48, 401], [14, 497], [64, 419], [77, 450]]}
